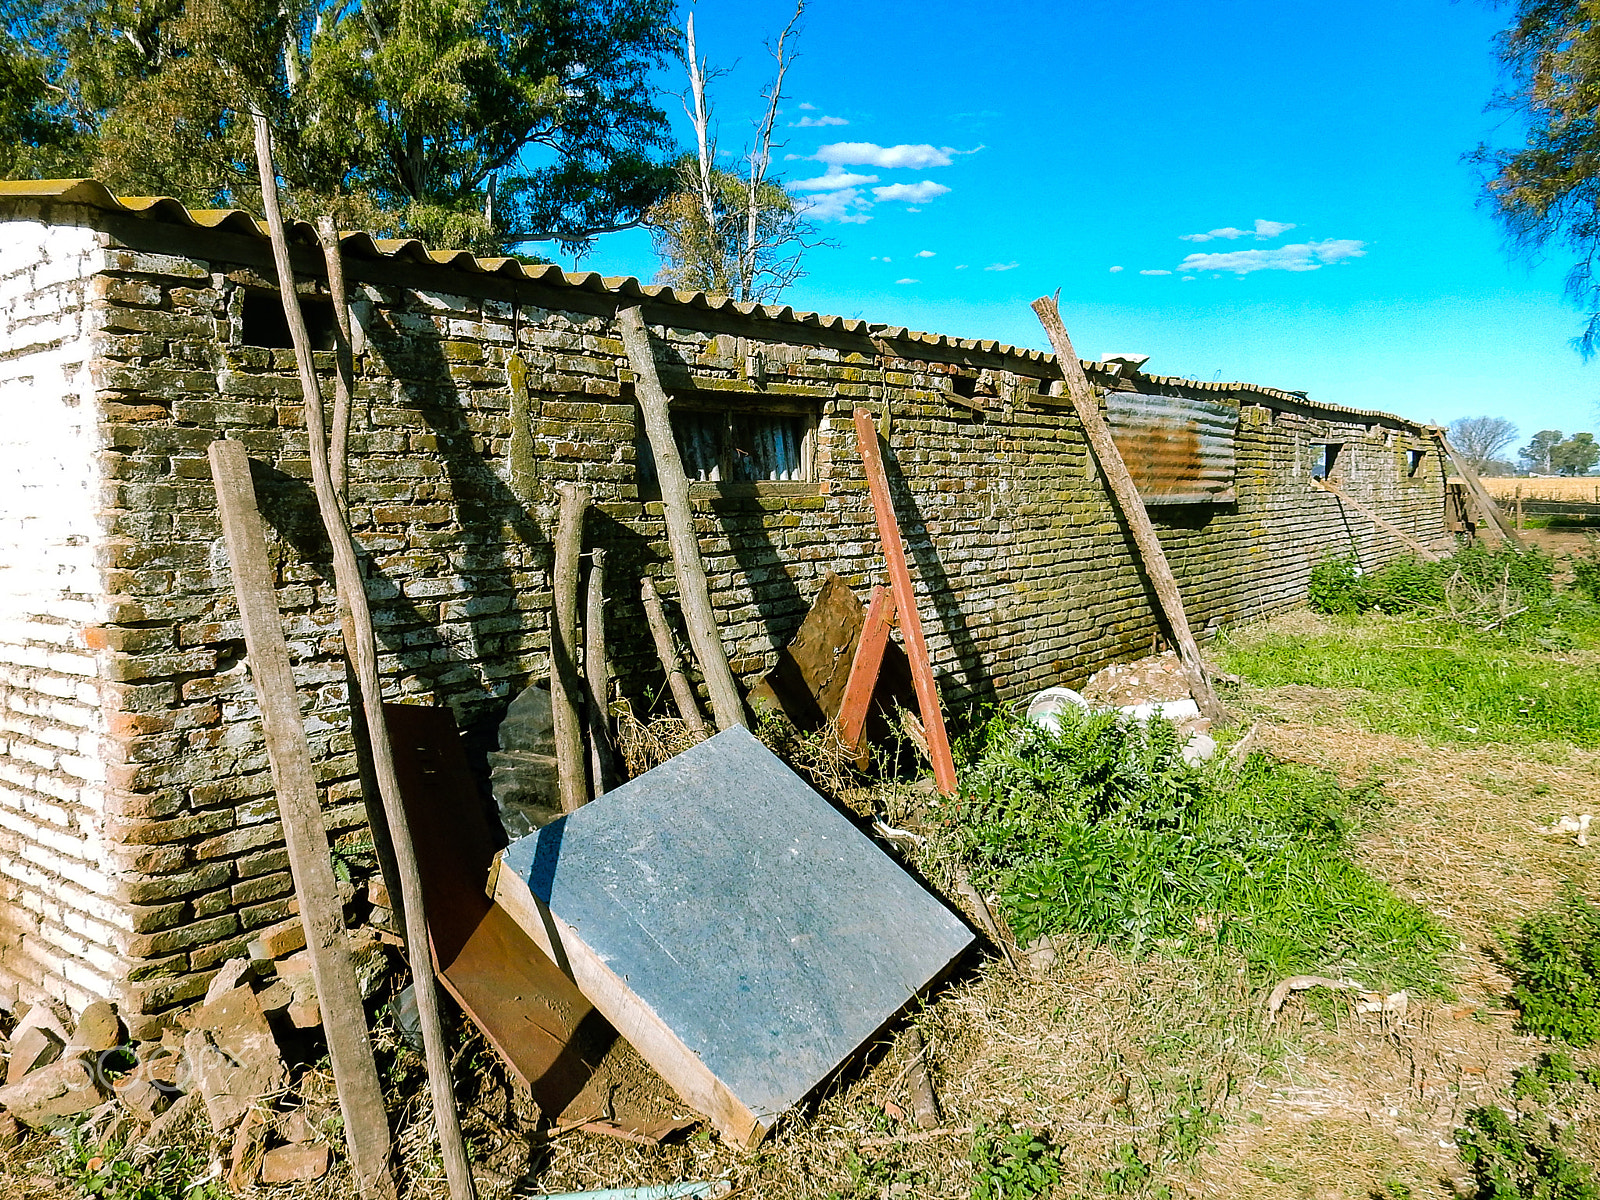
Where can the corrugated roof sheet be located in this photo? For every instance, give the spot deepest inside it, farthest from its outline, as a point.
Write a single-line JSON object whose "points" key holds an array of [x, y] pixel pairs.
{"points": [[94, 194]]}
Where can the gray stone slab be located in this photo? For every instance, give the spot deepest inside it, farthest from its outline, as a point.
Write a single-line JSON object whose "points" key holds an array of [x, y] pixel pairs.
{"points": [[769, 934]]}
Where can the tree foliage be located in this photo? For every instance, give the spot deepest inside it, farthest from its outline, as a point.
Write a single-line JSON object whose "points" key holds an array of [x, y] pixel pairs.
{"points": [[483, 123], [1546, 192], [1577, 455], [1536, 454], [1550, 453], [1480, 440]]}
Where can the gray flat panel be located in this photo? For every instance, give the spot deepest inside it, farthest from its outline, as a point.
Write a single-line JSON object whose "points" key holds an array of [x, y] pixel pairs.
{"points": [[769, 934]]}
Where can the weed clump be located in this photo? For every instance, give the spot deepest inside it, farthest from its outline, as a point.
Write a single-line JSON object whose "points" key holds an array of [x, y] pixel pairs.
{"points": [[1586, 573], [1506, 589], [1527, 1155], [1013, 1164], [1555, 961], [1101, 830]]}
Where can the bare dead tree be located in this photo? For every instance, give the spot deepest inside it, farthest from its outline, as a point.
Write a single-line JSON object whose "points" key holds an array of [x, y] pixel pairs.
{"points": [[738, 236], [760, 159]]}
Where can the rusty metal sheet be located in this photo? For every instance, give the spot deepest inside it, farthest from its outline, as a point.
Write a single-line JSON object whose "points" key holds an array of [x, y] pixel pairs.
{"points": [[1178, 450]]}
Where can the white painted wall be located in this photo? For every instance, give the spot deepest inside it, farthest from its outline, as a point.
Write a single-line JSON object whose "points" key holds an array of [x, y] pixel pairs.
{"points": [[59, 922]]}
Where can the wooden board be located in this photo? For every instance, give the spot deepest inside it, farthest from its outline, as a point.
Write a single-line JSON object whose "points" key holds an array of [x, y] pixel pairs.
{"points": [[550, 1037], [732, 925]]}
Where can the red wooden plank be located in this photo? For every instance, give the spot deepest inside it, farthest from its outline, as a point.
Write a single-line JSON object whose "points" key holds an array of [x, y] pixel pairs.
{"points": [[905, 600], [864, 668]]}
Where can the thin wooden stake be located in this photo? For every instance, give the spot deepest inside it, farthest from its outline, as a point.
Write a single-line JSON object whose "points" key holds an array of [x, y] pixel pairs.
{"points": [[352, 588], [1388, 527], [1156, 567], [667, 652], [905, 603], [565, 686], [343, 357], [693, 591], [294, 784], [924, 1104], [597, 674]]}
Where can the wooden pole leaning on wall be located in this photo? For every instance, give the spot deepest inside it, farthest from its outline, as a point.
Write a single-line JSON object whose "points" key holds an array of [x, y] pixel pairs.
{"points": [[1370, 514], [693, 592], [905, 603], [343, 357], [1487, 508], [566, 689], [352, 591], [294, 784], [667, 652], [597, 676], [1126, 494]]}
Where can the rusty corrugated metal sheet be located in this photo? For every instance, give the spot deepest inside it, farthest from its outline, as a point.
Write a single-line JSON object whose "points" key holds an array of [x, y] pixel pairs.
{"points": [[1178, 450]]}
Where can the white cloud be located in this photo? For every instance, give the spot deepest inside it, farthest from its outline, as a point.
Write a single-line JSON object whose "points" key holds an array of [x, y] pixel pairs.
{"points": [[1271, 229], [1302, 256], [847, 206], [908, 281], [816, 122], [1010, 266], [870, 154], [831, 180], [912, 193], [1114, 270], [962, 267], [1263, 231], [927, 253], [1155, 272], [884, 258], [808, 107]]}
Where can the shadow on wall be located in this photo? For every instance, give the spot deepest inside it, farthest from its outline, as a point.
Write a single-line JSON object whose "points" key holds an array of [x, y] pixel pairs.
{"points": [[975, 684]]}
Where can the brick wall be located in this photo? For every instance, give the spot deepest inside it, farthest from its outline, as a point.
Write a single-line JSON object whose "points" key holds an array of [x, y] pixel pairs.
{"points": [[1026, 571]]}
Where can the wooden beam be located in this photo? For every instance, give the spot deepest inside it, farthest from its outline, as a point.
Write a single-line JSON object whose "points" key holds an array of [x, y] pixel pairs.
{"points": [[693, 591], [565, 685], [352, 592], [1343, 498], [667, 652], [905, 602], [864, 669], [1126, 494], [294, 784], [1490, 511]]}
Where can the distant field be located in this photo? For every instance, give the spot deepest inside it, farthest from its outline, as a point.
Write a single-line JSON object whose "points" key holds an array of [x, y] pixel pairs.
{"points": [[1583, 488]]}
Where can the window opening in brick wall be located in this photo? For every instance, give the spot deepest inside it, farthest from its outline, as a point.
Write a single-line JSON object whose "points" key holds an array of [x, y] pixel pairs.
{"points": [[262, 323], [726, 446], [1325, 459], [1415, 459]]}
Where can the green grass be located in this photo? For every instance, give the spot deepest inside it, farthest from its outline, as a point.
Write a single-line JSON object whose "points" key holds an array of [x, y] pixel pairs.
{"points": [[1437, 683], [1103, 832]]}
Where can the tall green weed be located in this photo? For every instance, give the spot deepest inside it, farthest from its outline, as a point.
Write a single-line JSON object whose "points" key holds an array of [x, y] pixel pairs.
{"points": [[1507, 589], [1101, 830]]}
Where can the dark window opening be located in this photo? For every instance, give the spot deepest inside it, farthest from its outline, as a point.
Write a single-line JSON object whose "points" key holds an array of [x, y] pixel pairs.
{"points": [[1327, 463], [965, 386], [1416, 460], [734, 447], [262, 323]]}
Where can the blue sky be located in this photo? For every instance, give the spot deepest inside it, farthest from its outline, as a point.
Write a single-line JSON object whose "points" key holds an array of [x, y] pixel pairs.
{"points": [[1019, 148]]}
